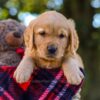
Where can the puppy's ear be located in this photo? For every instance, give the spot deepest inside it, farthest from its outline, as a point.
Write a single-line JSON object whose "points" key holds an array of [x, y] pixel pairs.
{"points": [[29, 38], [73, 37]]}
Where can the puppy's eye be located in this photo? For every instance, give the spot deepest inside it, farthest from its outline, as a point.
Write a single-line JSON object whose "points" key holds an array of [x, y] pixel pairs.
{"points": [[61, 35], [42, 33]]}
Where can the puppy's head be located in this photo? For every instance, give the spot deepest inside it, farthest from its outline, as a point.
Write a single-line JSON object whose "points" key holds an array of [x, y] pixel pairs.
{"points": [[50, 36]]}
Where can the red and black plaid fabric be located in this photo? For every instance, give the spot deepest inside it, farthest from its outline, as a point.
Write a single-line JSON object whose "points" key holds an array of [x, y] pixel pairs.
{"points": [[43, 85]]}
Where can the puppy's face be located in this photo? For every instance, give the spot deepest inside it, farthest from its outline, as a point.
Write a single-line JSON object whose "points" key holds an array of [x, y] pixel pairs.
{"points": [[51, 39]]}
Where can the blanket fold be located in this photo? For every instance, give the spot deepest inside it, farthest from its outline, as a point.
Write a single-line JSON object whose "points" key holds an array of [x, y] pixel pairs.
{"points": [[44, 84]]}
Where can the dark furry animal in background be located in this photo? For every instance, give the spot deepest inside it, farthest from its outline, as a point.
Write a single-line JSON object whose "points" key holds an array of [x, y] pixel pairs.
{"points": [[11, 38]]}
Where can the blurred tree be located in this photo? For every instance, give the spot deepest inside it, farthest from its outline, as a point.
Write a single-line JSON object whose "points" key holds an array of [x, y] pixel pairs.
{"points": [[82, 12], [7, 7]]}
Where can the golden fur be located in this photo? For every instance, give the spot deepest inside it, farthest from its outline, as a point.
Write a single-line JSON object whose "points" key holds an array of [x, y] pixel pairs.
{"points": [[51, 28]]}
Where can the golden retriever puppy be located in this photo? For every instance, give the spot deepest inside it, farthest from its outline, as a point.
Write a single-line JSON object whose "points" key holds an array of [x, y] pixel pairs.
{"points": [[51, 41]]}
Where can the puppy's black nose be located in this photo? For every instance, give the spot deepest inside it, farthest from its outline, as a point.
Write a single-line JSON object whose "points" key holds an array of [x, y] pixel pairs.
{"points": [[17, 34], [52, 49]]}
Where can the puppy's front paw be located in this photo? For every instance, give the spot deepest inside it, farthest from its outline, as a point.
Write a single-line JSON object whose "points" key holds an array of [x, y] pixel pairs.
{"points": [[22, 75], [24, 70], [73, 74]]}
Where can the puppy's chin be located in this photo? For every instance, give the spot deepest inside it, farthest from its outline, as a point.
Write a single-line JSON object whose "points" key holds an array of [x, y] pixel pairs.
{"points": [[50, 58], [49, 63], [46, 57]]}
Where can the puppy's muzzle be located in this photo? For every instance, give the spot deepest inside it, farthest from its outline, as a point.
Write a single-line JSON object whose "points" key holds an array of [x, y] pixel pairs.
{"points": [[52, 49]]}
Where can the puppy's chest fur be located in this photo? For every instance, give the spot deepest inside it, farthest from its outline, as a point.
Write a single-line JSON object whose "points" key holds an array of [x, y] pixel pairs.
{"points": [[9, 58]]}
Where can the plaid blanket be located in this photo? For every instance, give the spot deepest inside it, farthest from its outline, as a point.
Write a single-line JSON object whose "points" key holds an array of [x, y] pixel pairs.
{"points": [[44, 84]]}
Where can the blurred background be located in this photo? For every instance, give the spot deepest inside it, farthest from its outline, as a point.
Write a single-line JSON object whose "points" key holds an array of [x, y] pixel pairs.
{"points": [[86, 14]]}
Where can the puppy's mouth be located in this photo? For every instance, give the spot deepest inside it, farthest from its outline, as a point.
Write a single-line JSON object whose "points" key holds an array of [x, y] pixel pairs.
{"points": [[49, 58]]}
